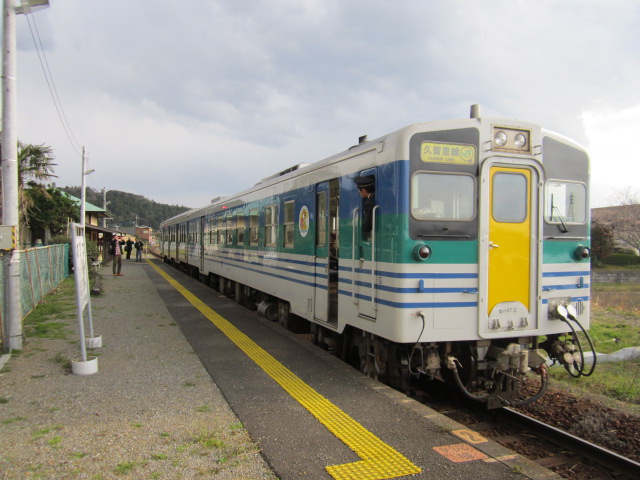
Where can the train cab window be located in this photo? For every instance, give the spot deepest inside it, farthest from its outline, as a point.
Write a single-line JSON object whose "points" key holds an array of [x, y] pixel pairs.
{"points": [[289, 224], [510, 197], [565, 202], [442, 196], [240, 226], [271, 225], [254, 223]]}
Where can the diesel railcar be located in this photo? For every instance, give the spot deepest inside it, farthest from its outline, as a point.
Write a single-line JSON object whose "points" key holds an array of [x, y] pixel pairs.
{"points": [[474, 268]]}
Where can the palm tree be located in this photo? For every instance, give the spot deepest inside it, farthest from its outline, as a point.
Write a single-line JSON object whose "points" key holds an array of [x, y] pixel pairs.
{"points": [[35, 166]]}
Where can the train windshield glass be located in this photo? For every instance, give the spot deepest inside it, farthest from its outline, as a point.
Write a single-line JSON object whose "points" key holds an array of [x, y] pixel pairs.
{"points": [[565, 202], [441, 196]]}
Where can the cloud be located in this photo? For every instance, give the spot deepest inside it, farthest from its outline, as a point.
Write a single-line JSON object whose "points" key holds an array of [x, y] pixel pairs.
{"points": [[236, 90], [614, 155]]}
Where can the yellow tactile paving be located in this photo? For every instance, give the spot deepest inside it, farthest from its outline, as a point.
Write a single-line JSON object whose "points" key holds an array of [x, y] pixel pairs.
{"points": [[379, 460]]}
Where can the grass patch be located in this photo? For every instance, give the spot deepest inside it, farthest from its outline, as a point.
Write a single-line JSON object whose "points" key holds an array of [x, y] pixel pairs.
{"points": [[44, 431], [208, 440], [124, 468], [618, 380], [52, 316], [613, 327], [12, 420], [63, 360]]}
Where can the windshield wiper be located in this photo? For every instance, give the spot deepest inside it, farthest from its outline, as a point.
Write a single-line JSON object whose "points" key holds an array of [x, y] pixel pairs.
{"points": [[563, 227]]}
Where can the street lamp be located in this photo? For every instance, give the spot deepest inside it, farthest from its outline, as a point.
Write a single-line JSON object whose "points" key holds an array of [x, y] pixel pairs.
{"points": [[30, 6], [12, 316]]}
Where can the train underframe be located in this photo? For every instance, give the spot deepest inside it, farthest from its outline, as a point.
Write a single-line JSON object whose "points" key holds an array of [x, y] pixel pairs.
{"points": [[502, 372]]}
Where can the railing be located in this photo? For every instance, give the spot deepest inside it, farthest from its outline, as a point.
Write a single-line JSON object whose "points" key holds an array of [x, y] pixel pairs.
{"points": [[42, 269]]}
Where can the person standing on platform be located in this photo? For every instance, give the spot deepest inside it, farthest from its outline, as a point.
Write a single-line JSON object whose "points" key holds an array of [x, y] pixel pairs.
{"points": [[128, 248], [138, 246], [116, 252]]}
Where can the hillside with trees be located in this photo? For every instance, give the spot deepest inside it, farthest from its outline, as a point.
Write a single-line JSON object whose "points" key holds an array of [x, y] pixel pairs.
{"points": [[129, 209]]}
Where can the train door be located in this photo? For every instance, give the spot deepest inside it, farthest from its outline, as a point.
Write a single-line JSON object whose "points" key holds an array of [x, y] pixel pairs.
{"points": [[366, 266], [326, 249], [201, 245], [511, 253]]}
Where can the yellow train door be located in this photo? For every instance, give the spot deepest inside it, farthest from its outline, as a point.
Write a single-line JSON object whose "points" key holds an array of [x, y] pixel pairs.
{"points": [[510, 248]]}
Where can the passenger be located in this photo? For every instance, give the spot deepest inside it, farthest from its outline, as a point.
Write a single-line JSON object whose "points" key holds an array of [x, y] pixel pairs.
{"points": [[138, 246], [128, 248], [366, 186], [116, 252]]}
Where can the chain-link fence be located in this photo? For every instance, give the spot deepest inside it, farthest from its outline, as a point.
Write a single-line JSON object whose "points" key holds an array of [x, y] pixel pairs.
{"points": [[41, 270]]}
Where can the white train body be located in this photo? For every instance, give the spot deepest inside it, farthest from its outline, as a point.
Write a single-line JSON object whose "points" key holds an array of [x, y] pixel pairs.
{"points": [[480, 231]]}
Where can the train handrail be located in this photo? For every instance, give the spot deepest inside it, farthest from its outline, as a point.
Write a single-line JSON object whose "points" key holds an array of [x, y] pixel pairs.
{"points": [[374, 264], [354, 222]]}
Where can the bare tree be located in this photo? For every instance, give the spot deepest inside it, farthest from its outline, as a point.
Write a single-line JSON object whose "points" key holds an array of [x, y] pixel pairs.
{"points": [[625, 217]]}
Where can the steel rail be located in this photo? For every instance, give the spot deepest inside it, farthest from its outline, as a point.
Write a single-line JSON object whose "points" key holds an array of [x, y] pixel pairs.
{"points": [[598, 454]]}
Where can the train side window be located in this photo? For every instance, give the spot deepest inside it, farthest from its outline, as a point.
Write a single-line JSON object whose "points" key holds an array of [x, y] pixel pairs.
{"points": [[231, 226], [213, 233], [289, 224], [254, 223], [271, 225], [565, 202], [321, 223], [222, 229], [240, 228]]}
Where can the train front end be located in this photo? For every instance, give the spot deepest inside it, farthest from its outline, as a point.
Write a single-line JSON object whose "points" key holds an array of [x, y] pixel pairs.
{"points": [[499, 227]]}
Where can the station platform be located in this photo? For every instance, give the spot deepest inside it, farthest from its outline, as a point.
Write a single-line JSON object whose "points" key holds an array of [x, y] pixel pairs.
{"points": [[315, 417]]}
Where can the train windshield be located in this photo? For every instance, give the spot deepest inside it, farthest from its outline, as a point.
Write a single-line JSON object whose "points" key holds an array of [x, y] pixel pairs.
{"points": [[565, 202], [442, 196]]}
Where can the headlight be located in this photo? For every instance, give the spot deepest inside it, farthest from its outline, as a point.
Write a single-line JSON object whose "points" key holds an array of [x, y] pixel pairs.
{"points": [[520, 141], [421, 252], [512, 140], [582, 253], [500, 139]]}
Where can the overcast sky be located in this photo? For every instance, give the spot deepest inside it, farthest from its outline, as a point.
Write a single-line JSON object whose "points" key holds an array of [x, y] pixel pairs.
{"points": [[181, 101]]}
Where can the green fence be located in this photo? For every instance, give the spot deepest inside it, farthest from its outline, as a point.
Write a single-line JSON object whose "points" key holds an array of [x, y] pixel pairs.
{"points": [[41, 270]]}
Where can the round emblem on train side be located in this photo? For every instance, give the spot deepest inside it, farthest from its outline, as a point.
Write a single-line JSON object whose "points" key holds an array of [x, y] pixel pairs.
{"points": [[303, 221]]}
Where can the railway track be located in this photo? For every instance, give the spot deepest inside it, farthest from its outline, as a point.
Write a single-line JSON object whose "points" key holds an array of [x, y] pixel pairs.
{"points": [[561, 452], [615, 464]]}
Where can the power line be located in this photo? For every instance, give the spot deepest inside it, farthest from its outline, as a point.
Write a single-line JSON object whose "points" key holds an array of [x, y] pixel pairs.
{"points": [[51, 84]]}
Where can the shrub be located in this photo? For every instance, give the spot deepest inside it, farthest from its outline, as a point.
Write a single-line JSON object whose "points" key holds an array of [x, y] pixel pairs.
{"points": [[622, 259]]}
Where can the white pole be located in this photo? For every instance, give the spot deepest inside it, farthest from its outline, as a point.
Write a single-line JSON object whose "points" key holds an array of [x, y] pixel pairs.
{"points": [[83, 191], [12, 316]]}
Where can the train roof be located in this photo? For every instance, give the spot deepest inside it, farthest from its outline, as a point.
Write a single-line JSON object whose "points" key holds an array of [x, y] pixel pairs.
{"points": [[387, 142]]}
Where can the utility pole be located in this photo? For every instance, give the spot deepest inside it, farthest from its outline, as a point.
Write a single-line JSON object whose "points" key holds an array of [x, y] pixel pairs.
{"points": [[12, 311], [104, 206], [12, 314]]}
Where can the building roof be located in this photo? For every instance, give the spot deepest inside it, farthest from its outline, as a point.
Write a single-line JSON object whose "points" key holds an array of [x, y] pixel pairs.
{"points": [[609, 214], [88, 207]]}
